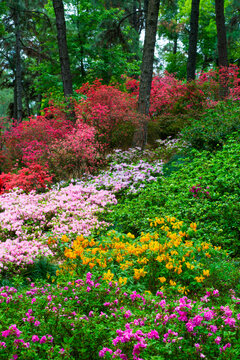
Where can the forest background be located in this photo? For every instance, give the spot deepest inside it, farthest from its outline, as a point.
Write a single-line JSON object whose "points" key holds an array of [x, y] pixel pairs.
{"points": [[103, 39]]}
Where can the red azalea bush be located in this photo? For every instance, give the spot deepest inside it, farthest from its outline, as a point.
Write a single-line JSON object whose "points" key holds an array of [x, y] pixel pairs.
{"points": [[76, 153], [111, 111], [33, 177], [29, 140]]}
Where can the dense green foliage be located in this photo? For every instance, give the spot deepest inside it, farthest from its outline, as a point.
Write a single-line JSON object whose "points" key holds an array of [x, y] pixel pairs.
{"points": [[216, 215]]}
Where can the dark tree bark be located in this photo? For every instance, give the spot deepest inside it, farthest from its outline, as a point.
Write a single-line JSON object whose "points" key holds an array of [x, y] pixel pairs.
{"points": [[193, 36], [140, 136], [18, 71], [222, 43], [221, 33], [175, 44], [63, 49]]}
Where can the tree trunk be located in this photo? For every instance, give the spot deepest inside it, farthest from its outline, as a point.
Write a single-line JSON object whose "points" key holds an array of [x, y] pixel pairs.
{"points": [[140, 136], [221, 33], [192, 50], [222, 43], [62, 46], [175, 44], [18, 70]]}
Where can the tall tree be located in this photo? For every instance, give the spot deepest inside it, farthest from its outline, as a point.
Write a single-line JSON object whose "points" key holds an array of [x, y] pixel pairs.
{"points": [[18, 67], [221, 33], [63, 49], [140, 136], [222, 43], [193, 36]]}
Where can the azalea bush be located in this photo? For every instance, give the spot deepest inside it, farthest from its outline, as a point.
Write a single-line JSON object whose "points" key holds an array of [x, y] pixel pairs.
{"points": [[111, 111], [17, 256], [76, 153], [169, 256], [33, 177], [68, 210], [47, 321]]}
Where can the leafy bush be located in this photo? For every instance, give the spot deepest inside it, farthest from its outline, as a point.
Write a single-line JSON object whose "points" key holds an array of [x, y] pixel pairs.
{"points": [[111, 322], [169, 255], [216, 215], [210, 131], [110, 111], [33, 177]]}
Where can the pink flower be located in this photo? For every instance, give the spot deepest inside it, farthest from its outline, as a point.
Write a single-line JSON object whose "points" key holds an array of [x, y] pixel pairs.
{"points": [[35, 338], [218, 340]]}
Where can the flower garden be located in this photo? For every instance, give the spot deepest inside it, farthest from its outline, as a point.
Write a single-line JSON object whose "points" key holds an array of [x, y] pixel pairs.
{"points": [[118, 253]]}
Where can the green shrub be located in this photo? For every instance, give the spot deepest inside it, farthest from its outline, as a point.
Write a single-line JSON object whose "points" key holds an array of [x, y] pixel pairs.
{"points": [[210, 130], [216, 213]]}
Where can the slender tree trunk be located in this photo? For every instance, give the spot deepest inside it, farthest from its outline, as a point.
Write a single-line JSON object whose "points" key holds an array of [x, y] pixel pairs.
{"points": [[192, 50], [18, 70], [175, 44], [222, 43], [63, 49], [140, 136], [221, 33]]}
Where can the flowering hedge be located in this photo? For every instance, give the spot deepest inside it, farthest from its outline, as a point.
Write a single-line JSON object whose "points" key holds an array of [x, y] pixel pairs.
{"points": [[16, 256], [169, 256], [68, 210], [47, 322]]}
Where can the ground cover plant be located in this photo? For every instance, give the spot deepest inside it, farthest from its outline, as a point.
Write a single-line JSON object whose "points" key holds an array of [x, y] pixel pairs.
{"points": [[204, 188], [138, 260]]}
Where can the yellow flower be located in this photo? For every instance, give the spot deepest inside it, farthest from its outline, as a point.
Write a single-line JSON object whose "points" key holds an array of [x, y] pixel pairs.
{"points": [[139, 273], [189, 266], [65, 238], [193, 226], [172, 283], [162, 279], [122, 281], [199, 278], [131, 236], [206, 273], [108, 276], [169, 266]]}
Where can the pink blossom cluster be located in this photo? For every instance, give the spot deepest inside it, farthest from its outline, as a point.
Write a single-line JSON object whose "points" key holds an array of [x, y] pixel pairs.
{"points": [[150, 320], [17, 255], [69, 210], [124, 176]]}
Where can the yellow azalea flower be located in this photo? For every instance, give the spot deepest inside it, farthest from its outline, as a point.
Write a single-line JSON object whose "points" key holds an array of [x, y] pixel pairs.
{"points": [[65, 238], [122, 281], [189, 266], [139, 273], [169, 266], [207, 255], [182, 233], [199, 278], [206, 273], [143, 261], [172, 283], [147, 292], [193, 226], [154, 246], [162, 279], [131, 236], [108, 276]]}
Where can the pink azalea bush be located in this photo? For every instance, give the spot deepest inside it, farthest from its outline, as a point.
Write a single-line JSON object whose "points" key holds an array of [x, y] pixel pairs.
{"points": [[69, 210], [50, 320], [16, 256]]}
